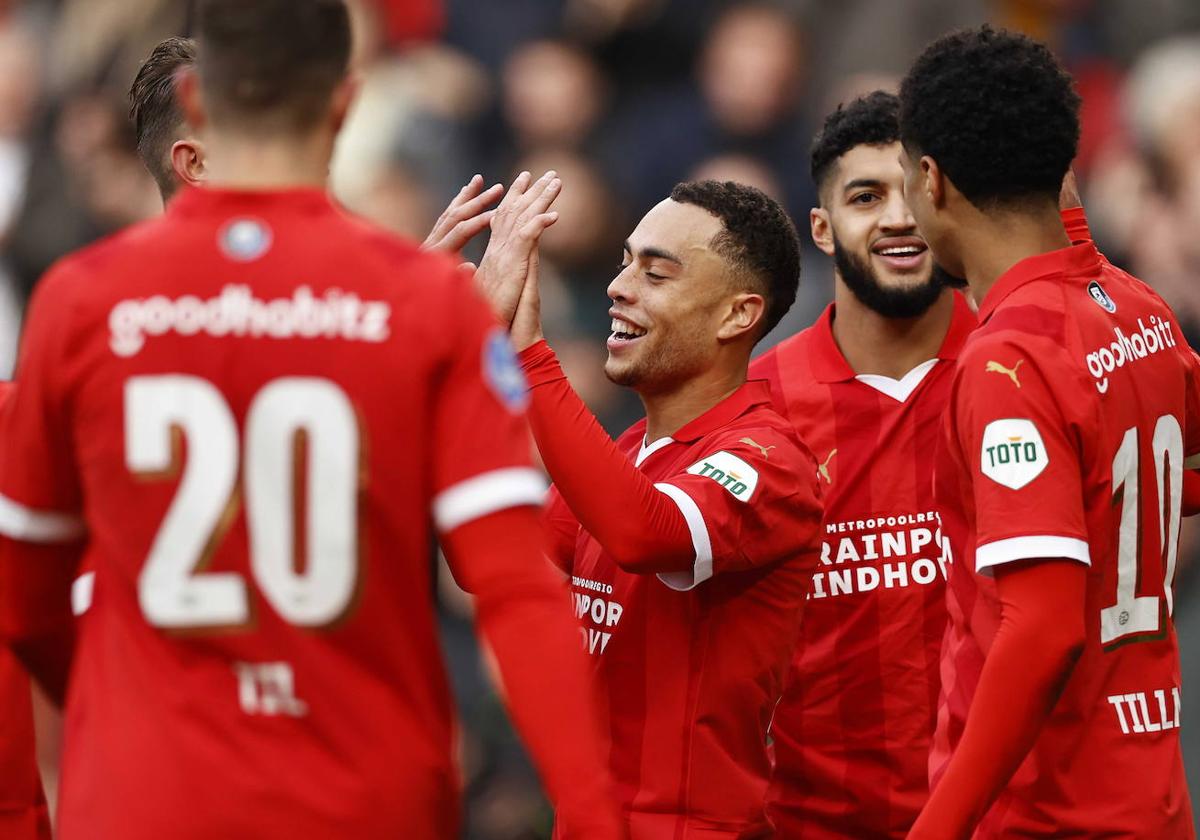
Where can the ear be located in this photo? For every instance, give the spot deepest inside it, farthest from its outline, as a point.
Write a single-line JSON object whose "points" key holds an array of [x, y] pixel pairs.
{"points": [[188, 161], [746, 312], [343, 98], [191, 103], [822, 229], [933, 181]]}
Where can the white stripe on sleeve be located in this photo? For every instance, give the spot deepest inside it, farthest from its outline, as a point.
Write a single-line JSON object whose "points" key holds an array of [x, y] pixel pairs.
{"points": [[1029, 548], [702, 569], [487, 493], [29, 525]]}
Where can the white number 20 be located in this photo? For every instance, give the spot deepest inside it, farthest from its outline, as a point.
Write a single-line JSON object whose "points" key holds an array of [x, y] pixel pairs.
{"points": [[287, 417], [1132, 613]]}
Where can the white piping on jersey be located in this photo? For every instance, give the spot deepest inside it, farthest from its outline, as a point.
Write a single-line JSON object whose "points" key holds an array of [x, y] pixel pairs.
{"points": [[898, 389], [28, 525], [487, 493], [702, 569], [81, 593], [1030, 548], [647, 450]]}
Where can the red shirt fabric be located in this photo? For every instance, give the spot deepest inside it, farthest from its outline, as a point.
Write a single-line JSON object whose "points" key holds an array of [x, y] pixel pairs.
{"points": [[689, 665], [1072, 411], [255, 407], [23, 814], [852, 732]]}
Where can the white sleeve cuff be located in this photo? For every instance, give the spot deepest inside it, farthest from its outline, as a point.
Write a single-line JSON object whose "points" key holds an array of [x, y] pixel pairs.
{"points": [[28, 525], [485, 494], [1030, 548], [702, 569]]}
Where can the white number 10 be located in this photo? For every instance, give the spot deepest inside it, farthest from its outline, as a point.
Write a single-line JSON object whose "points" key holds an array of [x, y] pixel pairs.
{"points": [[1133, 613], [288, 419]]}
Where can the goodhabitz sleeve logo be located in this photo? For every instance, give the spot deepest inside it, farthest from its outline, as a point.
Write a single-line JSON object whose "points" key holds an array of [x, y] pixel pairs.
{"points": [[730, 471]]}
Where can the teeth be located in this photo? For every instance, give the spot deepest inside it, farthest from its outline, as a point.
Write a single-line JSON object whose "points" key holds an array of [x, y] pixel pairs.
{"points": [[906, 251], [626, 328]]}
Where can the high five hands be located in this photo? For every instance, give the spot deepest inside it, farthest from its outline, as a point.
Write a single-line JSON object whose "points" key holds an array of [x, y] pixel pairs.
{"points": [[508, 273]]}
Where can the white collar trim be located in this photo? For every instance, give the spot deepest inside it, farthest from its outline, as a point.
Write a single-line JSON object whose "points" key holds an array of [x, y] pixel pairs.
{"points": [[898, 389], [649, 449]]}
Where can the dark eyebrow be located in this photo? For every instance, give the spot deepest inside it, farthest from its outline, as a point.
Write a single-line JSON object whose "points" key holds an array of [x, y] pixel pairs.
{"points": [[869, 183], [654, 254]]}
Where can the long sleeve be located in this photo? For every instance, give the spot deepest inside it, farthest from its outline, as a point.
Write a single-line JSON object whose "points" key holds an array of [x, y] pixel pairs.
{"points": [[522, 612], [1041, 633], [635, 522]]}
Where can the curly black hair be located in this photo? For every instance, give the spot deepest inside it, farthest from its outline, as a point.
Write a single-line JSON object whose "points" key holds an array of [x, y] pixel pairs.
{"points": [[870, 120], [758, 238], [997, 112]]}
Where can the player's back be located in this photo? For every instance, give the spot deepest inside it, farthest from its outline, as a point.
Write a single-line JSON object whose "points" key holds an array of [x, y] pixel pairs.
{"points": [[1108, 759], [262, 391]]}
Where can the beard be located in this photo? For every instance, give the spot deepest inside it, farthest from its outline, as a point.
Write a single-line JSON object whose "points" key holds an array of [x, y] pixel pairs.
{"points": [[903, 302]]}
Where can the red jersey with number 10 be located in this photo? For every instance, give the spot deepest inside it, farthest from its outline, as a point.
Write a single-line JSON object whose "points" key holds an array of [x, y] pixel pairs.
{"points": [[1072, 412], [852, 731], [258, 406]]}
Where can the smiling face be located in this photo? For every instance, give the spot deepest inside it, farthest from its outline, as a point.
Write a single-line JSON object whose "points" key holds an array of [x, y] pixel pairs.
{"points": [[668, 300], [866, 226]]}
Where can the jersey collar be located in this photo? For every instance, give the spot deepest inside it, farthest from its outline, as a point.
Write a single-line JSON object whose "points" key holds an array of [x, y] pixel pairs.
{"points": [[1081, 259], [753, 393], [829, 365], [200, 200]]}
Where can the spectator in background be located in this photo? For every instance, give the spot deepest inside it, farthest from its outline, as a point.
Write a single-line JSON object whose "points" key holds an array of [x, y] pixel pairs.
{"points": [[746, 101]]}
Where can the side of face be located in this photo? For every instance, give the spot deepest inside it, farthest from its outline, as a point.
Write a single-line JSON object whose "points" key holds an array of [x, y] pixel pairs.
{"points": [[925, 192], [674, 305]]}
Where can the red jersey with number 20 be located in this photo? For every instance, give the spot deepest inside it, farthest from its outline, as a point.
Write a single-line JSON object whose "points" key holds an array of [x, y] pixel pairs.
{"points": [[258, 406], [852, 732], [1072, 413]]}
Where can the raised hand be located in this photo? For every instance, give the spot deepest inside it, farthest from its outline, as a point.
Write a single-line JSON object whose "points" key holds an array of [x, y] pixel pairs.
{"points": [[517, 225], [467, 215]]}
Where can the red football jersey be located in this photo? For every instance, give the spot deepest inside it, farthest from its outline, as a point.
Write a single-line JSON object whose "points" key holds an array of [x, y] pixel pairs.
{"points": [[257, 406], [852, 732], [23, 814], [1071, 414], [689, 666]]}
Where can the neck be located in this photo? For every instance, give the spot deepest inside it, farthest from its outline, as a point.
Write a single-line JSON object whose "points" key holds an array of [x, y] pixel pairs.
{"points": [[874, 344], [668, 411], [269, 163], [996, 242]]}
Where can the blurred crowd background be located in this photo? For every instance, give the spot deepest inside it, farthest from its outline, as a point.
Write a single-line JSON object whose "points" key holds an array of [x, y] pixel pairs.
{"points": [[624, 98]]}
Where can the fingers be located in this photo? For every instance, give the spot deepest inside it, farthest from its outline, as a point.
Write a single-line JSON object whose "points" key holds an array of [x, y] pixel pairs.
{"points": [[463, 232], [532, 230], [550, 191], [515, 192]]}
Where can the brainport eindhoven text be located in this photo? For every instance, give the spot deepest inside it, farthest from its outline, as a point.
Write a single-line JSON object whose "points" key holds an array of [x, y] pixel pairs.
{"points": [[883, 552]]}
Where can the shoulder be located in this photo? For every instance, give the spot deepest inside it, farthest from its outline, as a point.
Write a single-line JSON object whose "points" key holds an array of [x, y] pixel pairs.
{"points": [[762, 437], [107, 253], [789, 355]]}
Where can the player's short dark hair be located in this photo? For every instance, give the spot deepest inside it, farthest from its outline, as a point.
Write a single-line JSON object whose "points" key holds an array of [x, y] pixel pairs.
{"points": [[870, 120], [272, 65], [996, 111], [758, 239], [154, 109]]}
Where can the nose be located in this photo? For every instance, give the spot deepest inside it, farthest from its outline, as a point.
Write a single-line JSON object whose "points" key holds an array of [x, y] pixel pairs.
{"points": [[896, 215], [621, 290]]}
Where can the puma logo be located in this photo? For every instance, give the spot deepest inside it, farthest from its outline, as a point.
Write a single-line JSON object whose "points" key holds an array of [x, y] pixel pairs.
{"points": [[1011, 373], [823, 469], [763, 449]]}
